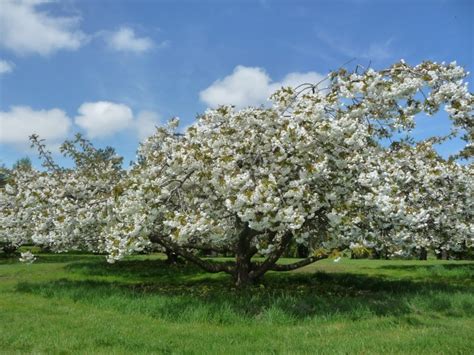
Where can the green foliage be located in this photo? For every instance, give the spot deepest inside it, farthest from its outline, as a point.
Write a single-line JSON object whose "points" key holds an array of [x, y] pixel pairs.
{"points": [[85, 154], [4, 174], [23, 164], [80, 304], [360, 252]]}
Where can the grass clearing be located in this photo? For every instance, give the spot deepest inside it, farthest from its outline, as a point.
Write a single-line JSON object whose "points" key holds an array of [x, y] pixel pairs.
{"points": [[80, 304]]}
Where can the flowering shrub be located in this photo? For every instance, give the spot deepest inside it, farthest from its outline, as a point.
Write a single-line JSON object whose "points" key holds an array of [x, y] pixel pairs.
{"points": [[27, 257]]}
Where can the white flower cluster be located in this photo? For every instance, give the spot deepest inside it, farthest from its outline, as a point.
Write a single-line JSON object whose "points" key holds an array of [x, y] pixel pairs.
{"points": [[27, 257]]}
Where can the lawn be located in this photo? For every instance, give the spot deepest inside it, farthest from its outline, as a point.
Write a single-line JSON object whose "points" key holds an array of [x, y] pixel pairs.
{"points": [[80, 304]]}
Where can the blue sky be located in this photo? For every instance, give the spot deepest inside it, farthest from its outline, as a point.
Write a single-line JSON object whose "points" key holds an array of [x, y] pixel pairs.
{"points": [[112, 69]]}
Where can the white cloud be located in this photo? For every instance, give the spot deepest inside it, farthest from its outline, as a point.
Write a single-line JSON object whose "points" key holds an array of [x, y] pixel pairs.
{"points": [[251, 86], [245, 86], [125, 40], [103, 118], [20, 122], [98, 119], [5, 67], [146, 123], [24, 29]]}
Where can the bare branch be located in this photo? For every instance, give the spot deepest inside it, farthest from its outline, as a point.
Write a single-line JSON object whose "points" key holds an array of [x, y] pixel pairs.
{"points": [[272, 258], [227, 267]]}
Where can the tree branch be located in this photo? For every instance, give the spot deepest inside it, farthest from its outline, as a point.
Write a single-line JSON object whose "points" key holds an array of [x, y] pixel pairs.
{"points": [[227, 267], [298, 264], [205, 247], [272, 258]]}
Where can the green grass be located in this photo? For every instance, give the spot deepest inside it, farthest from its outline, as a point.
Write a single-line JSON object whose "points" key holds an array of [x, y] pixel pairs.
{"points": [[80, 304]]}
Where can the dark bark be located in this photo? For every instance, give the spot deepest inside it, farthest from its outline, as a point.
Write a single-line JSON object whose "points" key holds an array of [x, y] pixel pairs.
{"points": [[243, 256], [375, 254], [271, 260], [423, 255], [444, 254], [171, 257], [9, 249], [205, 248], [382, 253], [242, 264], [302, 251], [243, 270], [298, 264], [204, 264]]}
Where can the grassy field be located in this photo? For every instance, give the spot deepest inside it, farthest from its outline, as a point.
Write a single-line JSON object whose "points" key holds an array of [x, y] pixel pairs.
{"points": [[80, 304]]}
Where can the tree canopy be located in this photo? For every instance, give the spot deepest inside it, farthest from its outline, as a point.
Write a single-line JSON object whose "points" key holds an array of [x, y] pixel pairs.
{"points": [[314, 169]]}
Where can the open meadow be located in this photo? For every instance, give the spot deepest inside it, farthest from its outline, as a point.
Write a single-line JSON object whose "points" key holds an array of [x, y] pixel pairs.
{"points": [[66, 303]]}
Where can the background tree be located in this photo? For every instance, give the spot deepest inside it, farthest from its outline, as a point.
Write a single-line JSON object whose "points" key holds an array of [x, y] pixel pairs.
{"points": [[17, 206], [4, 173], [23, 163], [61, 209]]}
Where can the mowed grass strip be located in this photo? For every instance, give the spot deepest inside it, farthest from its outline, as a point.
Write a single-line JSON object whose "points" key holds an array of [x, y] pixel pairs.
{"points": [[80, 304]]}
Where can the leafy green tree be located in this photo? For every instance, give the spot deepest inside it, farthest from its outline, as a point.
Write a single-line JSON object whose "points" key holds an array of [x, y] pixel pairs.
{"points": [[23, 163]]}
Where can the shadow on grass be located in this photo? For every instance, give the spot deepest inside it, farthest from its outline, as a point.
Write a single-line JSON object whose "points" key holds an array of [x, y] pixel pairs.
{"points": [[184, 293], [133, 270], [418, 267]]}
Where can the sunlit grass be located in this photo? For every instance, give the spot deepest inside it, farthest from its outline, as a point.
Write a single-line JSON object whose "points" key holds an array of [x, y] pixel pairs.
{"points": [[81, 304]]}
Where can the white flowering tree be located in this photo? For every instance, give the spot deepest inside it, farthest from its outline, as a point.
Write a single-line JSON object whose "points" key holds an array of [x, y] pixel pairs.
{"points": [[311, 170], [58, 208], [16, 207]]}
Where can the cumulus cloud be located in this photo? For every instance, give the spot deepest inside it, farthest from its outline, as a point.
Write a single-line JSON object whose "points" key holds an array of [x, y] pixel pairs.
{"points": [[245, 86], [251, 86], [294, 79], [103, 118], [98, 119], [20, 122], [5, 67], [125, 40], [25, 29]]}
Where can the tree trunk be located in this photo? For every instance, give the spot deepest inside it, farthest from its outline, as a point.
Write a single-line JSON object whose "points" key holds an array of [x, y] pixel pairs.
{"points": [[423, 254], [171, 257], [375, 254], [444, 254], [243, 257], [244, 271], [9, 249], [302, 251], [242, 276]]}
